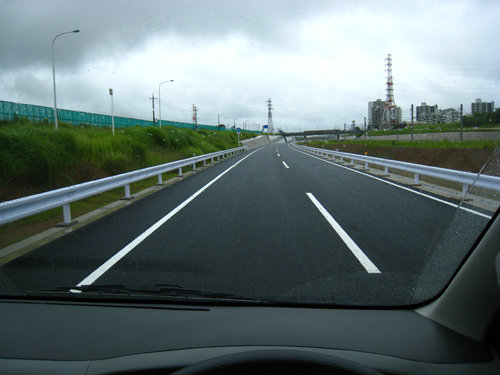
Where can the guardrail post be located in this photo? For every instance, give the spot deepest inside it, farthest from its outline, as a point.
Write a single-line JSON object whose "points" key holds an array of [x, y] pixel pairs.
{"points": [[159, 179], [386, 171], [366, 165], [417, 179], [212, 160], [127, 191], [465, 189], [66, 213], [180, 171], [352, 161], [204, 162]]}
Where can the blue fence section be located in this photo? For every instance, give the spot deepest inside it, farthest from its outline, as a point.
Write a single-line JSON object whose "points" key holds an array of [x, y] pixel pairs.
{"points": [[10, 110]]}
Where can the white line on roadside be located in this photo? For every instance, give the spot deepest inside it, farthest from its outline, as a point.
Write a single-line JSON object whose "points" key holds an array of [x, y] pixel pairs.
{"points": [[396, 185], [119, 255], [358, 253], [286, 166]]}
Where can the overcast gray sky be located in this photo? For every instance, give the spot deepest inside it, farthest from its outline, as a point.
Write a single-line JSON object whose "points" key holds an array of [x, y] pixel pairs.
{"points": [[319, 61]]}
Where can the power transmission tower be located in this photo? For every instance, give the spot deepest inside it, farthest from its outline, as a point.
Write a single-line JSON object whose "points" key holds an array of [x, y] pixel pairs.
{"points": [[390, 112], [269, 115]]}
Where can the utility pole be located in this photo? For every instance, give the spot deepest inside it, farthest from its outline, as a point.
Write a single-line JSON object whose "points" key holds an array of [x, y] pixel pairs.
{"points": [[218, 120], [412, 122], [461, 122], [153, 100], [112, 114], [195, 117]]}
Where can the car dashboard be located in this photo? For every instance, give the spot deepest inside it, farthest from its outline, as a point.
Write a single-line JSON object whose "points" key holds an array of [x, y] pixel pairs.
{"points": [[101, 338]]}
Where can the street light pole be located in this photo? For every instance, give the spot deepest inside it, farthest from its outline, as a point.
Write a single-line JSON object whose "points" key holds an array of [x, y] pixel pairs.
{"points": [[112, 113], [159, 97], [54, 73]]}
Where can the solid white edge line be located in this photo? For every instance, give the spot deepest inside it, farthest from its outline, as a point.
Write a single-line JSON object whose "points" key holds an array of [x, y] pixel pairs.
{"points": [[90, 279], [286, 165], [396, 185], [358, 253]]}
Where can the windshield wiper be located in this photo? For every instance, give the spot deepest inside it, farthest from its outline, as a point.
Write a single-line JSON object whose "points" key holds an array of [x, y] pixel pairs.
{"points": [[168, 291]]}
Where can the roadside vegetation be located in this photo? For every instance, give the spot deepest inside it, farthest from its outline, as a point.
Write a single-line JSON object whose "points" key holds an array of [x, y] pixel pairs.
{"points": [[416, 144], [476, 122], [34, 157]]}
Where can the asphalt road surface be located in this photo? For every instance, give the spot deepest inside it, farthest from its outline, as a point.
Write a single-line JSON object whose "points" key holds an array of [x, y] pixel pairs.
{"points": [[273, 223]]}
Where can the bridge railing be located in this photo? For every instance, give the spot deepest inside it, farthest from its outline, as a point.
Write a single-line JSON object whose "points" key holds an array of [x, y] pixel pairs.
{"points": [[466, 179], [33, 204]]}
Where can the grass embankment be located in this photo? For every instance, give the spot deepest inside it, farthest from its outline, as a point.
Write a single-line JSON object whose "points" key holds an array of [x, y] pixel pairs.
{"points": [[434, 128], [414, 144], [468, 156], [34, 157]]}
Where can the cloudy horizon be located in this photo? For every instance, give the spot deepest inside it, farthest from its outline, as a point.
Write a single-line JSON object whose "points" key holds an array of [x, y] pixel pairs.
{"points": [[320, 62]]}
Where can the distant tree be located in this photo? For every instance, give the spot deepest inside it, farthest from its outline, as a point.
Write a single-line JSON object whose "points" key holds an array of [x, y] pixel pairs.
{"points": [[479, 119], [496, 116]]}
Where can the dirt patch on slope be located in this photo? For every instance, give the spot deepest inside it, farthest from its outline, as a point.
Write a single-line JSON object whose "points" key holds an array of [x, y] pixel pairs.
{"points": [[462, 159]]}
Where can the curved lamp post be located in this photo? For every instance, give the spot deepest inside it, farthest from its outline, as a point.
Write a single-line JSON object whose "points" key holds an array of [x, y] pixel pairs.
{"points": [[54, 72], [159, 96]]}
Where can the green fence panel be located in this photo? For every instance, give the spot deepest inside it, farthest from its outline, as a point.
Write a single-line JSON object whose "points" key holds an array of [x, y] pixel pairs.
{"points": [[9, 110]]}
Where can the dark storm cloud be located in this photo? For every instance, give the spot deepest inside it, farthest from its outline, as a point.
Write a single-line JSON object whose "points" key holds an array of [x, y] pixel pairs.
{"points": [[108, 27]]}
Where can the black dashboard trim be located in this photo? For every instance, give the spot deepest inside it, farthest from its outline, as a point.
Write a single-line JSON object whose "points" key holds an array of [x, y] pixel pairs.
{"points": [[92, 332]]}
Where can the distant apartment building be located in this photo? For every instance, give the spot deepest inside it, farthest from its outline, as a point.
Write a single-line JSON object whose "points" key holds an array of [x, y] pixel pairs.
{"points": [[399, 115], [427, 113], [449, 115], [431, 114], [375, 113], [482, 107]]}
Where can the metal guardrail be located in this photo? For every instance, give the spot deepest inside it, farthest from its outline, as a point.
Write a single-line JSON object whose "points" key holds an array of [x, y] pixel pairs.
{"points": [[33, 204], [466, 179]]}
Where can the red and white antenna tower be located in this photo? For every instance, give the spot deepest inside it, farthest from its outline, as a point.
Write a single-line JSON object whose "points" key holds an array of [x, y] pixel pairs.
{"points": [[390, 116]]}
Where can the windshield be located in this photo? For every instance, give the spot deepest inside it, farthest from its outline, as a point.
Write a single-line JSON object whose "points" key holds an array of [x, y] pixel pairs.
{"points": [[287, 152]]}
